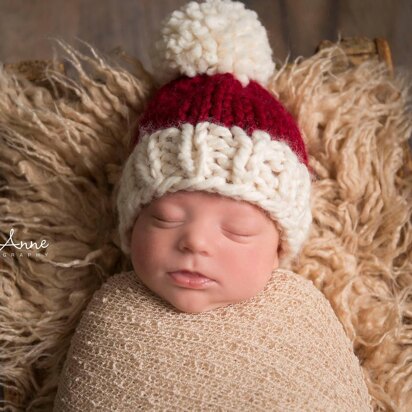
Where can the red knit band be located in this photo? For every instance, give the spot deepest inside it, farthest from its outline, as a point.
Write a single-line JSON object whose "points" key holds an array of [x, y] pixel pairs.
{"points": [[221, 99]]}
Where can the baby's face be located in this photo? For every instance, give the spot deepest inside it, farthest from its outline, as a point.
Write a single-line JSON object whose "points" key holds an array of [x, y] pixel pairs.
{"points": [[232, 243]]}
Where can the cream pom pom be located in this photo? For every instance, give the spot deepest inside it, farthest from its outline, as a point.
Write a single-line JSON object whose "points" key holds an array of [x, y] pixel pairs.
{"points": [[216, 36]]}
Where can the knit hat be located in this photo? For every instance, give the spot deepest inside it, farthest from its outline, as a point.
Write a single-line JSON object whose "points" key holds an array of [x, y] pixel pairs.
{"points": [[213, 126]]}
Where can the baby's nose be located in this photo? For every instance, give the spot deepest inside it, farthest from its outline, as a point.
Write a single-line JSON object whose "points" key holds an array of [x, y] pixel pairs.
{"points": [[196, 238]]}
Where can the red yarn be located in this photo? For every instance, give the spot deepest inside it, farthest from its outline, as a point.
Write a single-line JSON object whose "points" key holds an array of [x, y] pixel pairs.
{"points": [[221, 99]]}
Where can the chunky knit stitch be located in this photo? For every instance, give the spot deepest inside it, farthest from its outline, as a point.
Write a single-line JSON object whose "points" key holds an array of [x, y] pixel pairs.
{"points": [[222, 99], [282, 350]]}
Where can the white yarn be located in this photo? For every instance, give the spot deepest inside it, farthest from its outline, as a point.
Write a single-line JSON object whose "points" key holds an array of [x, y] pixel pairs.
{"points": [[217, 36], [217, 159]]}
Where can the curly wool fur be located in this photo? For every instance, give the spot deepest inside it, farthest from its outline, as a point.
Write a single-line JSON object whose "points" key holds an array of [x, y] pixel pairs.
{"points": [[357, 125], [59, 160], [213, 37]]}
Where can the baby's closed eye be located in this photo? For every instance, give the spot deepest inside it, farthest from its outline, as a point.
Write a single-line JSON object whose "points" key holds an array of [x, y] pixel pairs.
{"points": [[239, 232], [166, 219], [231, 231]]}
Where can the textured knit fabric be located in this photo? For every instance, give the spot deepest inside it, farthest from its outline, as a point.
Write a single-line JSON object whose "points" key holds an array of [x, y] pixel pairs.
{"points": [[282, 350], [222, 98]]}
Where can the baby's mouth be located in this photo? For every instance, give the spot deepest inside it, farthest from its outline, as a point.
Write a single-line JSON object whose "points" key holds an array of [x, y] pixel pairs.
{"points": [[190, 279]]}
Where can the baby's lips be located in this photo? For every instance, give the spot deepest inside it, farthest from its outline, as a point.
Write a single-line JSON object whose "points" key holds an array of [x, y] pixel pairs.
{"points": [[190, 279], [191, 273]]}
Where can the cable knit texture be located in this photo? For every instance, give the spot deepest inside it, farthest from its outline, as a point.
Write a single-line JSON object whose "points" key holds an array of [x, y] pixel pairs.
{"points": [[217, 159], [282, 350]]}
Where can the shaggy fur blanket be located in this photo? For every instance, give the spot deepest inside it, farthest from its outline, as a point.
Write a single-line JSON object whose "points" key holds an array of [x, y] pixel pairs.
{"points": [[61, 152]]}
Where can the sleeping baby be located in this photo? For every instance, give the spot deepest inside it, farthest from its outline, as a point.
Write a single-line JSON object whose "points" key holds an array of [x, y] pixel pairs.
{"points": [[214, 204]]}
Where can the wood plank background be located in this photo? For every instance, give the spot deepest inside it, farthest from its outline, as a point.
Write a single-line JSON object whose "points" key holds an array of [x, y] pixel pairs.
{"points": [[295, 27]]}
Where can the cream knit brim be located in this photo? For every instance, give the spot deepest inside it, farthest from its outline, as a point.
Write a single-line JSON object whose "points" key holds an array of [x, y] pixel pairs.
{"points": [[214, 158]]}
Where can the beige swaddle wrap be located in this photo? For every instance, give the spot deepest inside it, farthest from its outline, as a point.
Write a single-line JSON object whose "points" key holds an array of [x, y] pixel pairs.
{"points": [[282, 350]]}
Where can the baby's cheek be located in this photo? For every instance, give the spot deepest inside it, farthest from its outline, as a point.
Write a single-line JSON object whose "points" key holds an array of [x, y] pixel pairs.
{"points": [[258, 258], [142, 247], [266, 255], [269, 248], [238, 258]]}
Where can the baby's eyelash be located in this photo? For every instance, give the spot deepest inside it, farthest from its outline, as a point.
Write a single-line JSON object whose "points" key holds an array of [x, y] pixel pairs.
{"points": [[165, 221], [238, 234]]}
